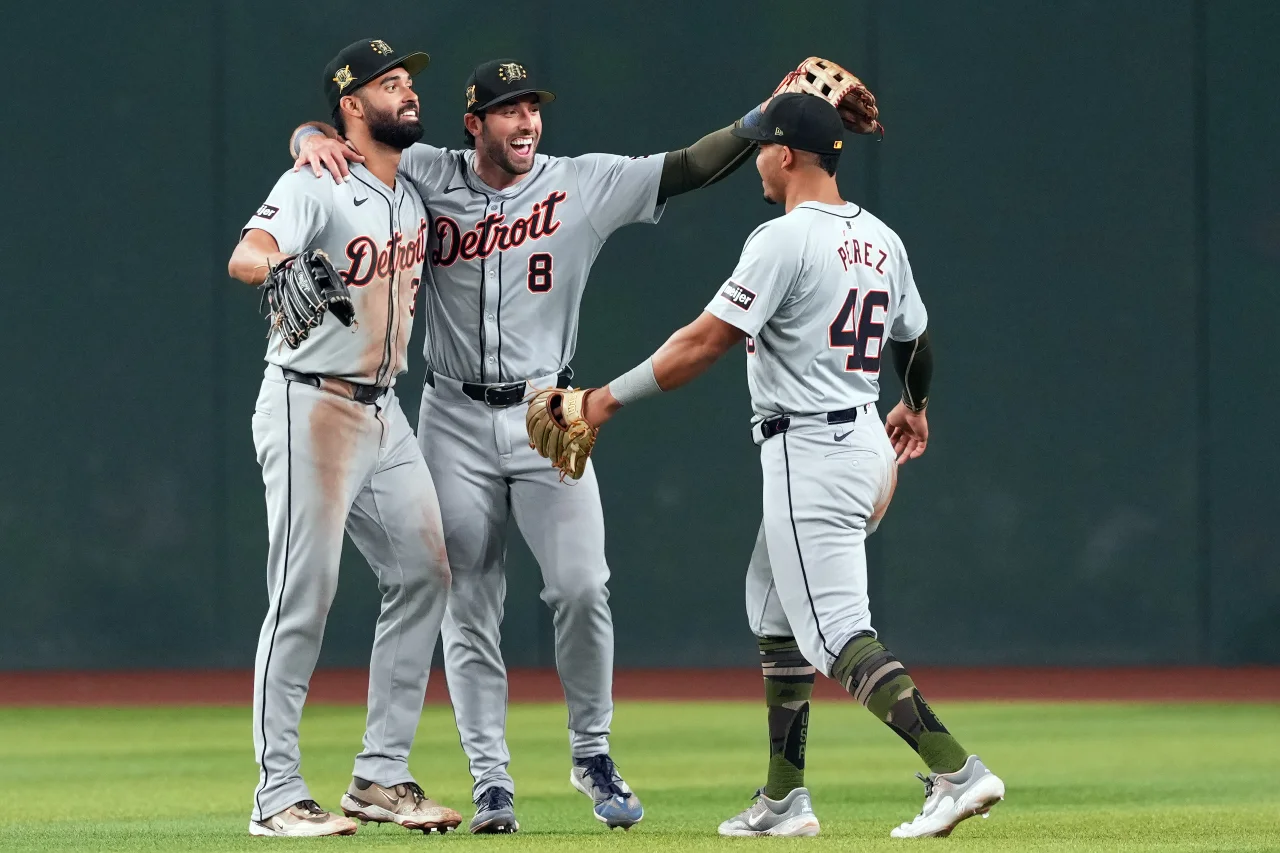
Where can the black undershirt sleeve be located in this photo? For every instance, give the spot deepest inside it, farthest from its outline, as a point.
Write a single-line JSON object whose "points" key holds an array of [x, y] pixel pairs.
{"points": [[703, 163], [913, 362]]}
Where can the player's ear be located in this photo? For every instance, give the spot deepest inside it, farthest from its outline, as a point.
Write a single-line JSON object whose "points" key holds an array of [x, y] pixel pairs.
{"points": [[472, 123], [351, 104]]}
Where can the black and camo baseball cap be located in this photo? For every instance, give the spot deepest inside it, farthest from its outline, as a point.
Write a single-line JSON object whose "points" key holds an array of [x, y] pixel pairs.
{"points": [[362, 61], [498, 81]]}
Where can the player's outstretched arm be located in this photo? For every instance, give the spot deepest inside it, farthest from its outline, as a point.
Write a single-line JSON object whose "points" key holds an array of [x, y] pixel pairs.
{"points": [[684, 357], [907, 425], [319, 146], [255, 256], [710, 159]]}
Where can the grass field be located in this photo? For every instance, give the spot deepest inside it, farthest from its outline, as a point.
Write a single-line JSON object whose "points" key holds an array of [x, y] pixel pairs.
{"points": [[1080, 777]]}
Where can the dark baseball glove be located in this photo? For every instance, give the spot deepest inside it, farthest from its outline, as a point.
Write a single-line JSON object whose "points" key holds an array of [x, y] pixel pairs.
{"points": [[835, 85], [559, 432], [299, 290]]}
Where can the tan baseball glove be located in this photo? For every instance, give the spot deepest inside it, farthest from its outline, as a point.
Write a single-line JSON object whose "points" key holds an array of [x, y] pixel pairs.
{"points": [[558, 430], [838, 87]]}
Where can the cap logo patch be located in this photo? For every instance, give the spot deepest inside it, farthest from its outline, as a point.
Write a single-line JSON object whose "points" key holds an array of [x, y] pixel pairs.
{"points": [[344, 78], [839, 144], [380, 46], [471, 95], [777, 131], [509, 72]]}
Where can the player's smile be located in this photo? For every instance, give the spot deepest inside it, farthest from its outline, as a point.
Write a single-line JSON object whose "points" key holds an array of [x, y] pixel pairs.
{"points": [[409, 112], [522, 146]]}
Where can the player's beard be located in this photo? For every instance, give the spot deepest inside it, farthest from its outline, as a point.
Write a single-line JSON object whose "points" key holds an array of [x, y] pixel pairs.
{"points": [[391, 130], [496, 150]]}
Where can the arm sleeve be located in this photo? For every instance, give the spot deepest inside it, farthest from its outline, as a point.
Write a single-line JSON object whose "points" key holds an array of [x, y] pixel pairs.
{"points": [[913, 362], [295, 212], [706, 161], [765, 274], [618, 190], [910, 318]]}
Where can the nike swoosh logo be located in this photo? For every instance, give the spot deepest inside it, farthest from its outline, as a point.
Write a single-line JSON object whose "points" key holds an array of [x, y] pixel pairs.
{"points": [[842, 436], [453, 190], [360, 201]]}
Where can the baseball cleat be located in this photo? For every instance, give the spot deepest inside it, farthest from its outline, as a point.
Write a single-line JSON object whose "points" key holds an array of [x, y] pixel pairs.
{"points": [[303, 819], [495, 812], [404, 804], [616, 805], [952, 797], [790, 817]]}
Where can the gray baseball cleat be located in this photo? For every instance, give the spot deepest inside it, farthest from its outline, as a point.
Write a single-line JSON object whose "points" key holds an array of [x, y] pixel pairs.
{"points": [[952, 797], [404, 804], [614, 804], [495, 812], [792, 816]]}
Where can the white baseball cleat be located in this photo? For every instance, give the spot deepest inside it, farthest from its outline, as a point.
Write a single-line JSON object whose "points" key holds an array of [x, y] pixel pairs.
{"points": [[952, 797], [303, 819], [792, 816]]}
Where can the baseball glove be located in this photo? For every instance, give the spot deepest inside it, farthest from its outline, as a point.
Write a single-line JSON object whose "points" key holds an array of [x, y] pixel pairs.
{"points": [[844, 91], [558, 430], [299, 290]]}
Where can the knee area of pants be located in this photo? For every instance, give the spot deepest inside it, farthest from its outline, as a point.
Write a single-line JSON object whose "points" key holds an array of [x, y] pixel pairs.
{"points": [[428, 578], [582, 594]]}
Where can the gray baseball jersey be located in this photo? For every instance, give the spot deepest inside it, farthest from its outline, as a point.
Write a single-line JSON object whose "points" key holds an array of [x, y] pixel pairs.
{"points": [[332, 462], [510, 266], [818, 290], [377, 238]]}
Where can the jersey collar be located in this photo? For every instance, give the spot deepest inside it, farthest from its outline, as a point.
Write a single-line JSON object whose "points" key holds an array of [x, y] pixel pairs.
{"points": [[369, 179], [847, 209]]}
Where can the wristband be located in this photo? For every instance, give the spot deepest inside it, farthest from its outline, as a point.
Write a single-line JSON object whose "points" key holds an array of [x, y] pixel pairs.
{"points": [[302, 134], [636, 384]]}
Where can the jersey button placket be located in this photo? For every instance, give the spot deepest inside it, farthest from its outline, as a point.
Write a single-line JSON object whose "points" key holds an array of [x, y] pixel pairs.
{"points": [[492, 295]]}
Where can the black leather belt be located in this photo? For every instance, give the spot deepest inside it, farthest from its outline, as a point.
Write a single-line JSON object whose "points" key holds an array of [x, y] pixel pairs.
{"points": [[368, 394], [505, 395], [781, 423]]}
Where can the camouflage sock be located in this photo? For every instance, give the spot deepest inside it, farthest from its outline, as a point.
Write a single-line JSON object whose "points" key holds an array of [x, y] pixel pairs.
{"points": [[788, 686], [875, 678]]}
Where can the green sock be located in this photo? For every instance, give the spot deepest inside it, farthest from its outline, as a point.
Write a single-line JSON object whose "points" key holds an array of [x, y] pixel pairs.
{"points": [[788, 686], [879, 681]]}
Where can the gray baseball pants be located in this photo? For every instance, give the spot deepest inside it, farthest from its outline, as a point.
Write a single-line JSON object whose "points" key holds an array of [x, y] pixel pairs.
{"points": [[486, 474], [330, 463]]}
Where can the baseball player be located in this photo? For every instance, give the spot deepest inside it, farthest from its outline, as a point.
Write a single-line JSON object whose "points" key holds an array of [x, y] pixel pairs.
{"points": [[336, 451], [815, 295], [512, 240]]}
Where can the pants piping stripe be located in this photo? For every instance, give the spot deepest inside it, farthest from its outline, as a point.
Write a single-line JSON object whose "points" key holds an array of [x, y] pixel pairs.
{"points": [[284, 579], [786, 455]]}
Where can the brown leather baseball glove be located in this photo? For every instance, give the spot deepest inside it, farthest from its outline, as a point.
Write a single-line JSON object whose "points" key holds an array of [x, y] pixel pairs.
{"points": [[559, 432], [838, 87]]}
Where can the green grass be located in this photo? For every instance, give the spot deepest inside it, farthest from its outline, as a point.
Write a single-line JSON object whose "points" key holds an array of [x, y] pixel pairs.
{"points": [[1080, 777]]}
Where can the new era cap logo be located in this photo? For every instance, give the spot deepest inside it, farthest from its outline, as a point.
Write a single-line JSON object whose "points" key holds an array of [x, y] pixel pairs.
{"points": [[738, 295], [267, 211], [777, 131]]}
